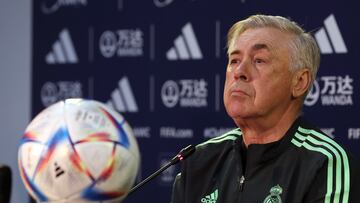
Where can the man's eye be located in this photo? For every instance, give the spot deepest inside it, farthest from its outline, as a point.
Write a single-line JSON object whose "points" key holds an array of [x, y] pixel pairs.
{"points": [[259, 61], [234, 61]]}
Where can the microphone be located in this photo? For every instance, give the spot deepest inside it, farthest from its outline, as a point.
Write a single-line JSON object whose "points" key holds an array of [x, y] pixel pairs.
{"points": [[182, 155], [5, 184]]}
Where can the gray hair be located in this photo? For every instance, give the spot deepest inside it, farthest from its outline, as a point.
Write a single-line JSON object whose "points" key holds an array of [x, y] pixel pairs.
{"points": [[304, 52]]}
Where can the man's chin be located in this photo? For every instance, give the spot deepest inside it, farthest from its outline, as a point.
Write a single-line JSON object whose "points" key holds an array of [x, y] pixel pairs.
{"points": [[237, 111], [239, 115]]}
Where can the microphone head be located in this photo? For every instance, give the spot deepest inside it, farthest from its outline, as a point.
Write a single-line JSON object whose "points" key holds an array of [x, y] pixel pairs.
{"points": [[183, 154], [5, 183], [187, 151]]}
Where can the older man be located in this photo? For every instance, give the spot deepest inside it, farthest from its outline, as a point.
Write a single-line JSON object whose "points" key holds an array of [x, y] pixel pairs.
{"points": [[274, 155]]}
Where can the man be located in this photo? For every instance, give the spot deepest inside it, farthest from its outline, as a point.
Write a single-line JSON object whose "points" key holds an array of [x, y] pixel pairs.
{"points": [[274, 156]]}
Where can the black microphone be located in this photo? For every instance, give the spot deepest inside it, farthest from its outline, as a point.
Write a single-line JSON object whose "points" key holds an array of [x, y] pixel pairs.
{"points": [[182, 155], [5, 184]]}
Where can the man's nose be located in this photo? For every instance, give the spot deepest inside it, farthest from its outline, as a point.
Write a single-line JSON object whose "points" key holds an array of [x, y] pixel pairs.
{"points": [[242, 71]]}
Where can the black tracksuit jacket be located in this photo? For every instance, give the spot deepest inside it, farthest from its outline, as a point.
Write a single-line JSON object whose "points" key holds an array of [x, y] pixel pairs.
{"points": [[304, 166]]}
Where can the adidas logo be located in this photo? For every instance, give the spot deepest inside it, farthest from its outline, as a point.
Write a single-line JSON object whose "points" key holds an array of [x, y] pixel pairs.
{"points": [[62, 50], [212, 198], [122, 98], [331, 31], [185, 47], [58, 170]]}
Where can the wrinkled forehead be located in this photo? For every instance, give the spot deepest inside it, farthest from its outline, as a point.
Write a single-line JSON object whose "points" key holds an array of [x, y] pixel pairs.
{"points": [[254, 39]]}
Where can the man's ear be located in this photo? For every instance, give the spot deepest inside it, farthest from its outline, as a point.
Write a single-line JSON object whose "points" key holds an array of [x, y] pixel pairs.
{"points": [[301, 82]]}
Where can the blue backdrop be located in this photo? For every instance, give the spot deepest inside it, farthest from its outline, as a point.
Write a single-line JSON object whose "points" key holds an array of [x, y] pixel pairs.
{"points": [[161, 63]]}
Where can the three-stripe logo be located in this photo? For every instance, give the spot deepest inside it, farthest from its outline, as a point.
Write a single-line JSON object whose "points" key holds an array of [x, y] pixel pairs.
{"points": [[331, 31], [63, 50], [185, 46], [122, 98], [338, 176]]}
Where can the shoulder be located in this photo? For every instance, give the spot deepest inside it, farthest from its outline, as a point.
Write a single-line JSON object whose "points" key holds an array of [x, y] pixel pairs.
{"points": [[314, 141], [341, 168], [216, 146], [311, 139], [317, 146], [222, 139]]}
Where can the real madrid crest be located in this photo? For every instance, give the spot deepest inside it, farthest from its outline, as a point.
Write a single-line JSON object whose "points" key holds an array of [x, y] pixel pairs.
{"points": [[274, 196]]}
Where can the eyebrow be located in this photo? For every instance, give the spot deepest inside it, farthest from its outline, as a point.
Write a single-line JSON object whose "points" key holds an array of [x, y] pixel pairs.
{"points": [[255, 47]]}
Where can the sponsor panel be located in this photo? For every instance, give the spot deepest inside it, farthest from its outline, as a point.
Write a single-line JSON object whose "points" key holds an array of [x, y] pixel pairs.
{"points": [[167, 177], [122, 43], [122, 97], [329, 131], [329, 38], [142, 131], [185, 93], [51, 92], [62, 50], [173, 132], [186, 46], [354, 133], [211, 132], [162, 3], [331, 91], [52, 6]]}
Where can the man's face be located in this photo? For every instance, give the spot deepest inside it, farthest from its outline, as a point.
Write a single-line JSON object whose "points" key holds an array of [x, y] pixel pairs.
{"points": [[258, 79]]}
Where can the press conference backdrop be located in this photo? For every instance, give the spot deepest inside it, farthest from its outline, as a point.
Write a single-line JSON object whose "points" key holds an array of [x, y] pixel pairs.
{"points": [[161, 63]]}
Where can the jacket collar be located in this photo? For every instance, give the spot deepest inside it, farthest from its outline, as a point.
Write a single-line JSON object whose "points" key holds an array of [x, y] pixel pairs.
{"points": [[258, 154]]}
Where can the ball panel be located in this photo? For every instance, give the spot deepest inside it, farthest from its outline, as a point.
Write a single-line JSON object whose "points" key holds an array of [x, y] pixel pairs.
{"points": [[93, 194], [122, 135], [87, 119], [46, 123], [121, 122], [123, 172], [32, 188], [134, 148], [29, 156], [95, 150], [60, 178]]}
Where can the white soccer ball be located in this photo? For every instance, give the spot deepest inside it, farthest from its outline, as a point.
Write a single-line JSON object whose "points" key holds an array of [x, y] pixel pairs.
{"points": [[78, 151]]}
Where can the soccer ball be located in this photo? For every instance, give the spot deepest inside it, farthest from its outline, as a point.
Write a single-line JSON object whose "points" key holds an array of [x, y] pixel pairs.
{"points": [[78, 151]]}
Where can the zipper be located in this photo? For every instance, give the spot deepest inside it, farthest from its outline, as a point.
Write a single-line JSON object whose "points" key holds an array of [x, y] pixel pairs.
{"points": [[240, 167], [241, 183]]}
